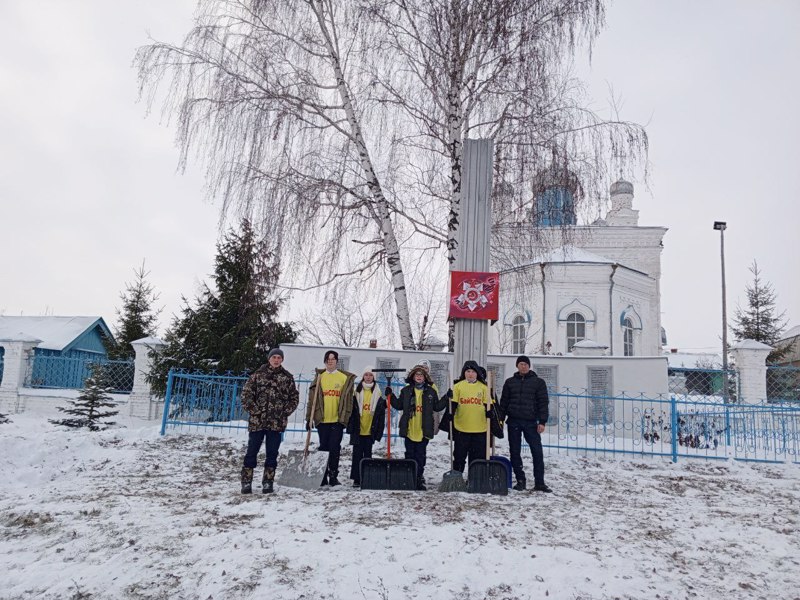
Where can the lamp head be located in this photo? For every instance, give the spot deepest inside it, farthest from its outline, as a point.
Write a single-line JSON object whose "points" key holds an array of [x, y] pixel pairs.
{"points": [[720, 225]]}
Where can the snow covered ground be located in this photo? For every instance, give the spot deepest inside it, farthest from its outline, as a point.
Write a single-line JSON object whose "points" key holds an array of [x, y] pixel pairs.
{"points": [[127, 514]]}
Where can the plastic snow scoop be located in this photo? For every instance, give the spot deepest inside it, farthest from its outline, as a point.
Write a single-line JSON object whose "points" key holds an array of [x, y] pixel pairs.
{"points": [[301, 469], [505, 462], [452, 481], [488, 476], [388, 473]]}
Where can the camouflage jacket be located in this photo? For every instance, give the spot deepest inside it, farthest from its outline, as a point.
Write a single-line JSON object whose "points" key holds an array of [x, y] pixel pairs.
{"points": [[270, 396]]}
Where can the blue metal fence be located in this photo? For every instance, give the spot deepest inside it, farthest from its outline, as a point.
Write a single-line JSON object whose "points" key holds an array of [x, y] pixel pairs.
{"points": [[69, 372], [670, 426]]}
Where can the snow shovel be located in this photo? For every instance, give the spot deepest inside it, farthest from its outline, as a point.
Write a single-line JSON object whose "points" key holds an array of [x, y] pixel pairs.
{"points": [[488, 476], [452, 481], [387, 473], [301, 470], [503, 461]]}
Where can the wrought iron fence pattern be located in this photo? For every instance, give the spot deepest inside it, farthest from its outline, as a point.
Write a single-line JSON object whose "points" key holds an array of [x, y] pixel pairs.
{"points": [[670, 426], [66, 372]]}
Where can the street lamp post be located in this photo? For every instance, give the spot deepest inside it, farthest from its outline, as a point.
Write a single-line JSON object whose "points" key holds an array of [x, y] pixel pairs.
{"points": [[721, 226]]}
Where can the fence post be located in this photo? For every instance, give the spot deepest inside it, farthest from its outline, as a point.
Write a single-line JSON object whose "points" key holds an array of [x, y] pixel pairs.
{"points": [[727, 426], [141, 402], [18, 351], [167, 398], [673, 409]]}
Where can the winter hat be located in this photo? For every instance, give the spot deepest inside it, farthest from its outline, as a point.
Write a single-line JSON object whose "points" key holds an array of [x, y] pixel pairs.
{"points": [[418, 369], [366, 370], [523, 359], [335, 355], [474, 366], [275, 352]]}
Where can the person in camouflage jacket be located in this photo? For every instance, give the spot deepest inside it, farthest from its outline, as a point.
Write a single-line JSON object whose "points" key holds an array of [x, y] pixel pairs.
{"points": [[270, 396]]}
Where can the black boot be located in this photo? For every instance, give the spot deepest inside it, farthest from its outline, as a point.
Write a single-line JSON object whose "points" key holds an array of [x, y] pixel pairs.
{"points": [[333, 478], [247, 480], [268, 480], [421, 484], [324, 479], [520, 485]]}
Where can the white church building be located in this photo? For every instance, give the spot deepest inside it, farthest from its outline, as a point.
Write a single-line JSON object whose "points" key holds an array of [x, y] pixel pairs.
{"points": [[598, 282]]}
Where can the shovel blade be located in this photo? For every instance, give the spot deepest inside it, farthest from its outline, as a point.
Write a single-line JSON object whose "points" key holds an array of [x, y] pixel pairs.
{"points": [[305, 474], [507, 464], [388, 474], [487, 477]]}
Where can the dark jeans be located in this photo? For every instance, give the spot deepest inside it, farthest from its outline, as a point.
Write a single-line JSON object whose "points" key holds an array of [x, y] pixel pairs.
{"points": [[418, 452], [516, 429], [271, 439], [472, 445], [330, 439], [361, 449]]}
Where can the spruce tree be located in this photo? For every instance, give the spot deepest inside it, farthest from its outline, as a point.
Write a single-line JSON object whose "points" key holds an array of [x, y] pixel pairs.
{"points": [[760, 321], [89, 409], [230, 327], [136, 319]]}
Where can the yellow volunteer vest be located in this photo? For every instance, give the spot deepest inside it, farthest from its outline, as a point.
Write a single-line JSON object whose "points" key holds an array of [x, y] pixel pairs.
{"points": [[331, 384], [471, 399], [415, 422], [366, 413]]}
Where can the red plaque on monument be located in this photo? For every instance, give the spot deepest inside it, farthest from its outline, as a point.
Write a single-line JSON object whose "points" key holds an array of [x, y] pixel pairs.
{"points": [[474, 295]]}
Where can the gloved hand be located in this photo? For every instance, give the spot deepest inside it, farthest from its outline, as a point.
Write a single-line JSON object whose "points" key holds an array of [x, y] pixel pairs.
{"points": [[489, 413], [388, 391], [308, 425]]}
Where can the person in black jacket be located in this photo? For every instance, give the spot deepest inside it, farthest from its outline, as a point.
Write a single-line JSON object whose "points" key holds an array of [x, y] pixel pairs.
{"points": [[367, 421], [418, 400], [524, 403]]}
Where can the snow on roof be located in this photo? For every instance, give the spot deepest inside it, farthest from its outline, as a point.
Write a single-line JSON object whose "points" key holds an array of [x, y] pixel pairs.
{"points": [[574, 254], [793, 332], [56, 333], [694, 360]]}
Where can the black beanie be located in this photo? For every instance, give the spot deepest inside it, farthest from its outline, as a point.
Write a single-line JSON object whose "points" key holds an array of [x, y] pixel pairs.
{"points": [[524, 359]]}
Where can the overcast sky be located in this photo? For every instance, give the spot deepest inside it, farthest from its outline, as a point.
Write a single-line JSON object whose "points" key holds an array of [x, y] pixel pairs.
{"points": [[89, 188]]}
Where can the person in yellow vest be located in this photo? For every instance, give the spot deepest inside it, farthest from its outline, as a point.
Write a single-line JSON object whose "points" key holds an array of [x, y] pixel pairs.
{"points": [[367, 423], [418, 400], [469, 408], [331, 395]]}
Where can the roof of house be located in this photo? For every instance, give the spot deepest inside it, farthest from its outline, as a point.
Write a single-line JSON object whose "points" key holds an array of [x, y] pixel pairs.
{"points": [[791, 333], [55, 333]]}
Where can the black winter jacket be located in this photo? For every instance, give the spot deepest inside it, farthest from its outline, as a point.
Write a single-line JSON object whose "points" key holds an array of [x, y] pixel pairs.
{"points": [[431, 403], [525, 398]]}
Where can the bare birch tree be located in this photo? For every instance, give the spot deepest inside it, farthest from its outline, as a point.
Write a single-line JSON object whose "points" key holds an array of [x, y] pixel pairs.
{"points": [[267, 92], [496, 69], [339, 125]]}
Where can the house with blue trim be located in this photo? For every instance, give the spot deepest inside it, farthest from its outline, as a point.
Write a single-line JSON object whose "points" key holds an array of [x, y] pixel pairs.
{"points": [[68, 347]]}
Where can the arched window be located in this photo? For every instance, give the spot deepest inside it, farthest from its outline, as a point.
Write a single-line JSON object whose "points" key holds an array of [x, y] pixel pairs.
{"points": [[627, 337], [576, 329], [518, 335]]}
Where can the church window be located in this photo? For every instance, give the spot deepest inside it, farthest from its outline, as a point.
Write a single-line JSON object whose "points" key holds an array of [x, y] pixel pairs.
{"points": [[576, 329], [518, 335], [627, 337]]}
